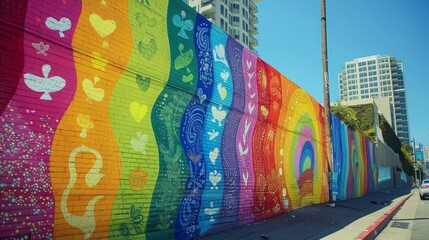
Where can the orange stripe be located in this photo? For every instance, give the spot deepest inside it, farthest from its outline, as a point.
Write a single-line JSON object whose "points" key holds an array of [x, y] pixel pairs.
{"points": [[101, 51]]}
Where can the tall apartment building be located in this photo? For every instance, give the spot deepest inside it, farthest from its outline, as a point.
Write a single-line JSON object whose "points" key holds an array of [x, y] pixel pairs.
{"points": [[236, 17], [373, 77]]}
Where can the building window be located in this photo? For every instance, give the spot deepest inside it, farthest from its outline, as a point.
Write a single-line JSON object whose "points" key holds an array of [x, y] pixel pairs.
{"points": [[237, 34], [373, 73], [235, 8], [235, 20], [362, 64]]}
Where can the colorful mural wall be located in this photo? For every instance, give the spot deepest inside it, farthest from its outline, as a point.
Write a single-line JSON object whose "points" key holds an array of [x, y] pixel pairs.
{"points": [[141, 119], [355, 172]]}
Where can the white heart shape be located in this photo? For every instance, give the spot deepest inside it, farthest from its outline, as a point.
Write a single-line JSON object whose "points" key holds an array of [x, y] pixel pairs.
{"points": [[62, 25], [215, 178], [224, 75], [213, 155]]}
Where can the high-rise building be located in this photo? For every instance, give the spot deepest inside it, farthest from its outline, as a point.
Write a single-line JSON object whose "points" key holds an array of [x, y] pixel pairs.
{"points": [[373, 77], [236, 17]]}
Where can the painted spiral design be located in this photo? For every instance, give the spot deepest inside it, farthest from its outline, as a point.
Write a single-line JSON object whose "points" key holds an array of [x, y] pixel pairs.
{"points": [[193, 126]]}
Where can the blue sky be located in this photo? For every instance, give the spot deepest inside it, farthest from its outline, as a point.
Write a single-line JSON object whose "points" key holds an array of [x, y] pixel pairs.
{"points": [[290, 41]]}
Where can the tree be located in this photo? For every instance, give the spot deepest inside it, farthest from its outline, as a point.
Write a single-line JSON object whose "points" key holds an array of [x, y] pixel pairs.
{"points": [[347, 115]]}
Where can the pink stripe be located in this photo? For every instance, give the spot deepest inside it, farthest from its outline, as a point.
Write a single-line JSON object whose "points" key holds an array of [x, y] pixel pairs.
{"points": [[244, 139], [35, 111]]}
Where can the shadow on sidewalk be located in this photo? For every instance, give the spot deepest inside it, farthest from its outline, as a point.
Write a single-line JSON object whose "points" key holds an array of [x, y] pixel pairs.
{"points": [[316, 221]]}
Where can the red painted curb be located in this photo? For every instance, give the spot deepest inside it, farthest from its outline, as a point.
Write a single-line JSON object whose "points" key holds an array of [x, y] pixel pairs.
{"points": [[372, 231]]}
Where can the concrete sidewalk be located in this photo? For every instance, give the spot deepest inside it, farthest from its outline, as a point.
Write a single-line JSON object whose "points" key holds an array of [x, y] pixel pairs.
{"points": [[411, 221], [351, 219]]}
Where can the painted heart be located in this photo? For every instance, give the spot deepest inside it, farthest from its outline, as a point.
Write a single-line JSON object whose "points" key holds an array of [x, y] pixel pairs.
{"points": [[139, 143], [188, 78], [215, 178], [103, 27], [98, 62], [213, 155], [218, 115], [138, 111], [91, 91], [143, 82], [220, 50], [222, 91], [84, 121], [62, 25], [224, 75]]}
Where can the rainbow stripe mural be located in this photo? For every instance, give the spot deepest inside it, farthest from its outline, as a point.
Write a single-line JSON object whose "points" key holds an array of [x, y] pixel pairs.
{"points": [[354, 162], [141, 119]]}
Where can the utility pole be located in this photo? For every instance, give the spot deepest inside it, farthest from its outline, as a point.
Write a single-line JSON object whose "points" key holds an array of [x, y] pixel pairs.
{"points": [[415, 161], [326, 105]]}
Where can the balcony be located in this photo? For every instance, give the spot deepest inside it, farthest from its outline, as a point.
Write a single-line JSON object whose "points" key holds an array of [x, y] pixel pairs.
{"points": [[253, 19], [236, 23], [208, 9], [253, 7], [235, 10], [253, 30], [253, 42], [206, 1]]}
